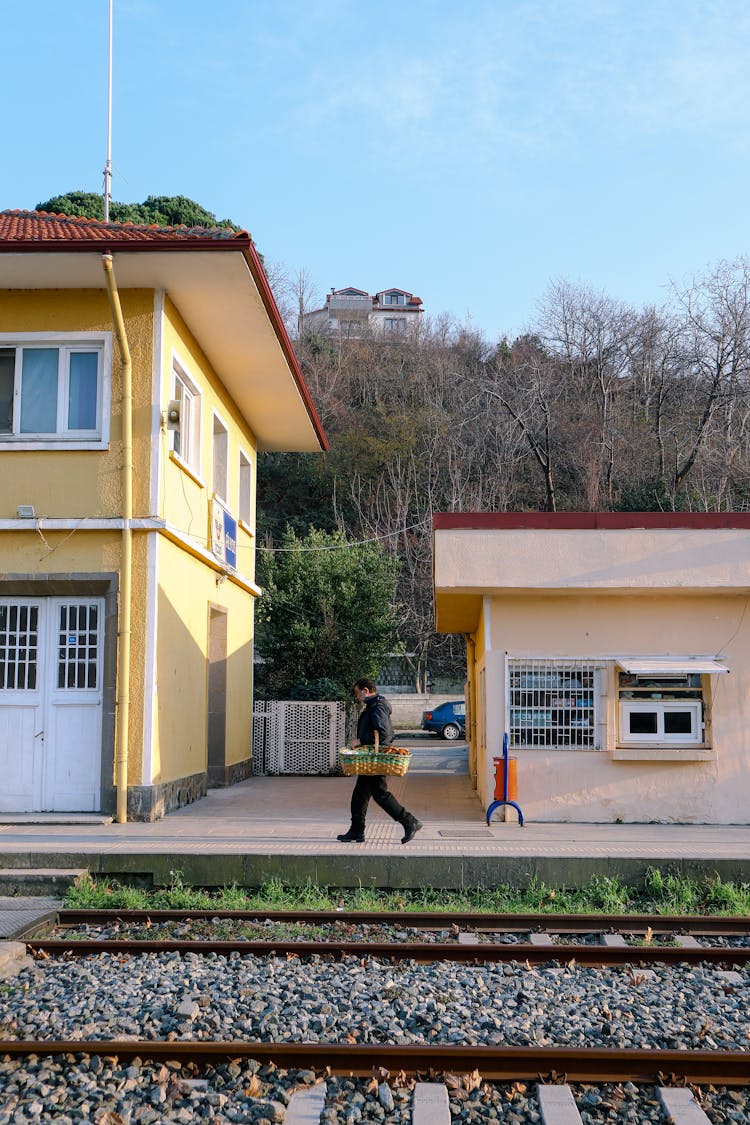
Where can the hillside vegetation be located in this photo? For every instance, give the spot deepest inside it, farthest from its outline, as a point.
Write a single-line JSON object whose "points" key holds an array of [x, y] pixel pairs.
{"points": [[598, 406]]}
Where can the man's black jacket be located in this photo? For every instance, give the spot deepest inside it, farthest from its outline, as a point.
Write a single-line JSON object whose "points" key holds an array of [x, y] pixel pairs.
{"points": [[376, 716]]}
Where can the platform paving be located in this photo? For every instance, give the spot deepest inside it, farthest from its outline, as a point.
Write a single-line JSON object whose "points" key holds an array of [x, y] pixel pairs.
{"points": [[286, 827]]}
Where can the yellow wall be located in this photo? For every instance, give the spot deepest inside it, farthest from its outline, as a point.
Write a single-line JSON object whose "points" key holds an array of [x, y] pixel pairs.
{"points": [[78, 483], [179, 588], [186, 588], [185, 502]]}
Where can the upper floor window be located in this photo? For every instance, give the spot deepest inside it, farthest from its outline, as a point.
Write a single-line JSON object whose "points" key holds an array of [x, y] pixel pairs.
{"points": [[246, 490], [221, 459], [395, 324], [54, 390], [186, 437], [394, 299]]}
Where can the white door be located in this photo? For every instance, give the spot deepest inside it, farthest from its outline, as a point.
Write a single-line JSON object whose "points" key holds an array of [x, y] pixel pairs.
{"points": [[21, 711], [50, 704]]}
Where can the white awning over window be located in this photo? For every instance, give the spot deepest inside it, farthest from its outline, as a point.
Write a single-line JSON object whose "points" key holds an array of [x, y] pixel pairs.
{"points": [[656, 666]]}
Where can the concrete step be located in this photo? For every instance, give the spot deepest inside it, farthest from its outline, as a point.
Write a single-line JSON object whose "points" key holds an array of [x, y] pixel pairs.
{"points": [[33, 881], [82, 819], [26, 917]]}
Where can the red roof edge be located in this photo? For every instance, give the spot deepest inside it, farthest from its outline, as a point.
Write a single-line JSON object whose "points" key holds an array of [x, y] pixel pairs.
{"points": [[587, 521], [259, 276]]}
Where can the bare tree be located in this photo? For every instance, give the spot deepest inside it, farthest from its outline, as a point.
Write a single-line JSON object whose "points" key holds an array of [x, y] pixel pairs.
{"points": [[716, 309], [588, 331], [526, 382]]}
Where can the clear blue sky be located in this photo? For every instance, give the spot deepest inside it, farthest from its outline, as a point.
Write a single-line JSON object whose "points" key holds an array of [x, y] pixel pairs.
{"points": [[469, 153]]}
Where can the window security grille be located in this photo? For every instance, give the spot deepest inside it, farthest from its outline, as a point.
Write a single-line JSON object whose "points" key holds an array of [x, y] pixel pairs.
{"points": [[19, 647], [553, 703], [78, 646]]}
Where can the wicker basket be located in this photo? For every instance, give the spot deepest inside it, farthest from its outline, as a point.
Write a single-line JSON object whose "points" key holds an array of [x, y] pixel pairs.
{"points": [[390, 760]]}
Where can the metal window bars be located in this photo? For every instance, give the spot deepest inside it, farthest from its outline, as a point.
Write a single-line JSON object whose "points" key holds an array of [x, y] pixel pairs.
{"points": [[19, 647], [553, 703]]}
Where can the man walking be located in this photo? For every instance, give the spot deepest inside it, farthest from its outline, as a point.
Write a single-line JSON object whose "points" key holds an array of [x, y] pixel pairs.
{"points": [[374, 728]]}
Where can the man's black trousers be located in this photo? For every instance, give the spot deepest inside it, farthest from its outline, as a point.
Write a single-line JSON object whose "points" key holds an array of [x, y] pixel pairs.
{"points": [[377, 788]]}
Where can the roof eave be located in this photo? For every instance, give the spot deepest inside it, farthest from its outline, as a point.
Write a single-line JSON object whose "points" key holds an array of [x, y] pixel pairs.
{"points": [[241, 243]]}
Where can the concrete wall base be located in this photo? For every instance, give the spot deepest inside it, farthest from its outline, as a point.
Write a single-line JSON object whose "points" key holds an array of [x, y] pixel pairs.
{"points": [[152, 802], [231, 774]]}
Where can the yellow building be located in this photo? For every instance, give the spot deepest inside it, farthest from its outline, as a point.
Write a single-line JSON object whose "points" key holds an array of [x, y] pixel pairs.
{"points": [[614, 650], [141, 370]]}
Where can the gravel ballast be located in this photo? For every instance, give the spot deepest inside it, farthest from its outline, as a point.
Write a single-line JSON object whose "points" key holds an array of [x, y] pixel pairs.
{"points": [[168, 996], [213, 997], [81, 1088]]}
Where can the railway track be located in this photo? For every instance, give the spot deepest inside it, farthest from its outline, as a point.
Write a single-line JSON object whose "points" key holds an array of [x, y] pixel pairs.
{"points": [[658, 924], [525, 953], [726, 1068], [463, 1067], [648, 932]]}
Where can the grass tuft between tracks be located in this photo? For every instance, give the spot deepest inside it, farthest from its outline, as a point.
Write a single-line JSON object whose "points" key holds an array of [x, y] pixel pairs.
{"points": [[661, 893]]}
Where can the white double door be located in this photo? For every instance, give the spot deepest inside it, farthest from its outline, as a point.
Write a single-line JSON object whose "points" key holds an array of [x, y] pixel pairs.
{"points": [[51, 704]]}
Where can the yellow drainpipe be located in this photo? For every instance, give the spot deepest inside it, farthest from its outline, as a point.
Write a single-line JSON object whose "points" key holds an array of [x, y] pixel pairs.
{"points": [[123, 679], [471, 675]]}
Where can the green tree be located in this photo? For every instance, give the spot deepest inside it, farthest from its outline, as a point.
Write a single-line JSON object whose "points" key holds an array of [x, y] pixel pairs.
{"points": [[327, 617], [164, 210]]}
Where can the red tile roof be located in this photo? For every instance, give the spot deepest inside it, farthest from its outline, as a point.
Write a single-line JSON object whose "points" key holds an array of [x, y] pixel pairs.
{"points": [[34, 231], [34, 227]]}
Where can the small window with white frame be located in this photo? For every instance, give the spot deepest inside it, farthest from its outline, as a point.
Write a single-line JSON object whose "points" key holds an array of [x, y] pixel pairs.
{"points": [[246, 490], [553, 703], [660, 709], [186, 437], [221, 460], [54, 390]]}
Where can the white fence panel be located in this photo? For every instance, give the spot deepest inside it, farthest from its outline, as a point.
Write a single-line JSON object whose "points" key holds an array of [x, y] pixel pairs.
{"points": [[291, 736]]}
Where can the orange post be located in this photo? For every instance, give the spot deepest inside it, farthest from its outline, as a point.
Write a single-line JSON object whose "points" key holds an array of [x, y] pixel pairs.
{"points": [[512, 780]]}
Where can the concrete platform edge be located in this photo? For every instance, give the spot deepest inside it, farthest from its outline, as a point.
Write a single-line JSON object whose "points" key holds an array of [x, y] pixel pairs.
{"points": [[407, 871]]}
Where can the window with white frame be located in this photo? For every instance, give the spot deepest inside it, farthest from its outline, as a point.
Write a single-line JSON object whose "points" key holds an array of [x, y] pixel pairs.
{"points": [[660, 709], [395, 324], [394, 299], [553, 703], [54, 389], [186, 438], [246, 490], [221, 460]]}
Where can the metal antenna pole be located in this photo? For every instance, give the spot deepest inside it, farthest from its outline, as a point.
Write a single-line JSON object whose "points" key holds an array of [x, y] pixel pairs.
{"points": [[108, 165]]}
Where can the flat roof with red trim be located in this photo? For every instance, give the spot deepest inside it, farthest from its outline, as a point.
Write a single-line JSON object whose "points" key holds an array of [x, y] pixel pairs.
{"points": [[581, 521]]}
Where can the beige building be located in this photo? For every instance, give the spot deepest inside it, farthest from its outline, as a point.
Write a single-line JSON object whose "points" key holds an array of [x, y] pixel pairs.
{"points": [[141, 371], [614, 649], [351, 313]]}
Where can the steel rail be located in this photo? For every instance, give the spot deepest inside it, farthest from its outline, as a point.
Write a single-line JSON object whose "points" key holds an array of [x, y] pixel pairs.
{"points": [[573, 1064], [718, 925], [523, 952]]}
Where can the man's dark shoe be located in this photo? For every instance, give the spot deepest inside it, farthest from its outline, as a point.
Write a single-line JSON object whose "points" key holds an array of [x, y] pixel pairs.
{"points": [[411, 827], [351, 837]]}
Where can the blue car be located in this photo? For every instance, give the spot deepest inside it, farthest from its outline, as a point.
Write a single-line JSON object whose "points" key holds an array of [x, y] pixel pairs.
{"points": [[448, 720]]}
